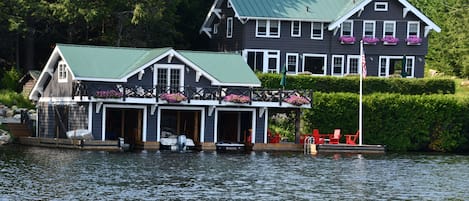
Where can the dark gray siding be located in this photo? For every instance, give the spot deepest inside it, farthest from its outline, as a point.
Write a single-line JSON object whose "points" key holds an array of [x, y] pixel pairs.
{"points": [[55, 89], [78, 117], [260, 127], [151, 125], [97, 123], [209, 125]]}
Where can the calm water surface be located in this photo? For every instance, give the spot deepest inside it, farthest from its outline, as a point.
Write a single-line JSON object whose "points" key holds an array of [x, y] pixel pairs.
{"points": [[32, 173]]}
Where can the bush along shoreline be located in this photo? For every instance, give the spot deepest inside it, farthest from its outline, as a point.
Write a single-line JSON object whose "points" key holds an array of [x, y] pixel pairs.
{"points": [[403, 114]]}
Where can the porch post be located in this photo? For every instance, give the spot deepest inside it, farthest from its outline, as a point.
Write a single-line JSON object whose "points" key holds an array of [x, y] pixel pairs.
{"points": [[297, 125]]}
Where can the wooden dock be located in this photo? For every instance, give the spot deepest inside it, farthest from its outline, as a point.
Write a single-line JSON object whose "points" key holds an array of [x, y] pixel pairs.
{"points": [[345, 148]]}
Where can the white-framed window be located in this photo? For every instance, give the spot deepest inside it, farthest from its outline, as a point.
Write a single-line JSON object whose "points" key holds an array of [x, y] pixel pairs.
{"points": [[169, 76], [229, 27], [292, 63], [268, 28], [296, 29], [388, 65], [381, 6], [62, 75], [315, 63], [389, 28], [215, 28], [228, 4], [266, 61], [369, 29], [346, 29], [353, 63], [317, 30], [337, 67], [413, 28]]}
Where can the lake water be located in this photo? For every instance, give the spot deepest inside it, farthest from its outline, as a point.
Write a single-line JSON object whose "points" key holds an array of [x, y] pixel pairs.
{"points": [[32, 173]]}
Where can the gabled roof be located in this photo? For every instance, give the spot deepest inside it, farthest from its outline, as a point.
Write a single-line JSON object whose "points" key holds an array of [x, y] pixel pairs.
{"points": [[117, 64], [333, 11]]}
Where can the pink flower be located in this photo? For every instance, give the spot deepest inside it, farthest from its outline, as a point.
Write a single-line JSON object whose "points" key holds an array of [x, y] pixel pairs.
{"points": [[347, 39], [297, 100], [237, 98], [413, 40], [173, 97], [370, 40], [390, 39]]}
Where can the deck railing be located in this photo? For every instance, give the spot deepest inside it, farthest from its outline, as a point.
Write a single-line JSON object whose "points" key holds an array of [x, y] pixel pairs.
{"points": [[124, 91]]}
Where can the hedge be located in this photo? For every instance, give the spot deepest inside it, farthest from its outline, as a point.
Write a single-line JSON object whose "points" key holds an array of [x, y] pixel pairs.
{"points": [[330, 84], [401, 122]]}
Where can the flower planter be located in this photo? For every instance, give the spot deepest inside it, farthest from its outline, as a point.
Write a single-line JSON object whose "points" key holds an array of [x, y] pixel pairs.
{"points": [[390, 40], [370, 40], [347, 40], [297, 100], [173, 97], [413, 40], [237, 98]]}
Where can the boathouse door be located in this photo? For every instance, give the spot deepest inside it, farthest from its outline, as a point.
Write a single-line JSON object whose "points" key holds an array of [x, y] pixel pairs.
{"points": [[176, 122], [234, 126], [125, 123]]}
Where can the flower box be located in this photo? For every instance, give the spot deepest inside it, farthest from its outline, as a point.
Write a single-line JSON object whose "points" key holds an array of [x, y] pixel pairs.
{"points": [[370, 40], [390, 40], [237, 98], [108, 94], [347, 40], [173, 97], [413, 40], [297, 100]]}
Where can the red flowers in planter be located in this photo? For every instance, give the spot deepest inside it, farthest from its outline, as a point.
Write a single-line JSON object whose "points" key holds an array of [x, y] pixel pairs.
{"points": [[173, 97]]}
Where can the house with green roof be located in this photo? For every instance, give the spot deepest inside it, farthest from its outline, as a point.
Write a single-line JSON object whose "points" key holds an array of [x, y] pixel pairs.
{"points": [[322, 37], [148, 96]]}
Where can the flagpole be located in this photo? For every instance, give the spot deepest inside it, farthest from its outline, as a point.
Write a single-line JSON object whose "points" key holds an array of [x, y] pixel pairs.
{"points": [[360, 109]]}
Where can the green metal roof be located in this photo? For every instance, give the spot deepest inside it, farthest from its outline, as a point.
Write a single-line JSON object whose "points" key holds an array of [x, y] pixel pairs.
{"points": [[319, 10], [115, 63], [105, 62], [225, 67]]}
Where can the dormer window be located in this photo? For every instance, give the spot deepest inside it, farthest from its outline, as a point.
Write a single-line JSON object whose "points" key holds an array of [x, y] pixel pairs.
{"points": [[228, 4], [381, 6], [347, 28], [62, 75]]}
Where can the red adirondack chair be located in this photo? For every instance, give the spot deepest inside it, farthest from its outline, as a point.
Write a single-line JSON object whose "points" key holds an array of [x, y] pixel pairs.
{"points": [[335, 137], [351, 139], [317, 137]]}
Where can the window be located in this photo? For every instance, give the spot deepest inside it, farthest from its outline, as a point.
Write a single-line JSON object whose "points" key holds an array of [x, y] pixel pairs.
{"points": [[315, 63], [316, 30], [389, 65], [215, 28], [228, 4], [229, 27], [347, 28], [295, 28], [268, 28], [381, 6], [337, 65], [369, 29], [382, 67], [352, 64], [62, 74], [263, 60], [292, 63], [169, 77], [410, 66], [389, 28], [413, 29]]}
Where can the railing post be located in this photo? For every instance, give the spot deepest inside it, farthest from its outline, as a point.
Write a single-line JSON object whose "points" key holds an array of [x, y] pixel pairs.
{"points": [[189, 93], [280, 95], [250, 95], [123, 93]]}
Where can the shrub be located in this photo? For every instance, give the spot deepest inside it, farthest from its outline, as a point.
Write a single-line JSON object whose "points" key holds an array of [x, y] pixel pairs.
{"points": [[11, 98], [10, 79]]}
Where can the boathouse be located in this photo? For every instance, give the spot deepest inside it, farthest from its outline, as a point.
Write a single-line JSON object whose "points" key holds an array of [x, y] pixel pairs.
{"points": [[143, 95]]}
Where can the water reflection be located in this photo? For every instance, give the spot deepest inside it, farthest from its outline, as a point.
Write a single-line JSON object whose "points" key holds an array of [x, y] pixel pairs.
{"points": [[31, 173]]}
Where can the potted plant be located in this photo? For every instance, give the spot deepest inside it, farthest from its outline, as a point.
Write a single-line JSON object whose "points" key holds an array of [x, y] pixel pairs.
{"points": [[413, 40], [370, 40], [237, 98], [347, 40], [390, 40], [108, 94], [173, 97], [297, 100]]}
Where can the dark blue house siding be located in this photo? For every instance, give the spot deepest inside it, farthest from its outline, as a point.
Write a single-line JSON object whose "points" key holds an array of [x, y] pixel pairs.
{"points": [[97, 123], [209, 125], [260, 129], [151, 125]]}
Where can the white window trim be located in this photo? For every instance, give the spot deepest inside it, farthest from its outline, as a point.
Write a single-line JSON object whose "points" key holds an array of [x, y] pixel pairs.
{"points": [[322, 31], [374, 27], [229, 27], [296, 64], [267, 29], [62, 68], [394, 28], [178, 108], [299, 29], [144, 120], [385, 4], [265, 61], [169, 67], [349, 57], [215, 28], [408, 27], [351, 27], [388, 58], [315, 55], [341, 67], [228, 4]]}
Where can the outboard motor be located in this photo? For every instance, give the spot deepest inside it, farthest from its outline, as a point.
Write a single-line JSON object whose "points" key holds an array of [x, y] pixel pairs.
{"points": [[181, 143]]}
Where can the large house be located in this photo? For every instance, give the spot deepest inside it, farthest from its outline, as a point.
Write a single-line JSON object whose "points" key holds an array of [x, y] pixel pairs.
{"points": [[322, 37], [141, 95]]}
